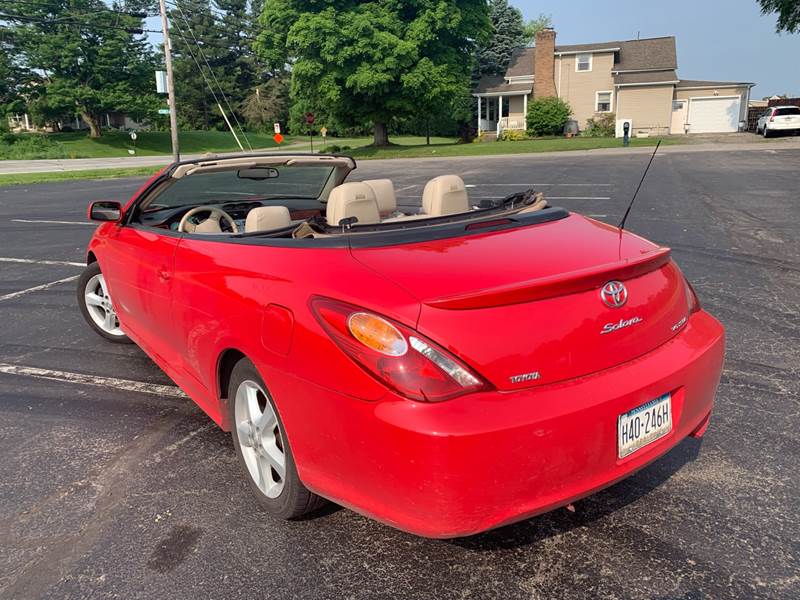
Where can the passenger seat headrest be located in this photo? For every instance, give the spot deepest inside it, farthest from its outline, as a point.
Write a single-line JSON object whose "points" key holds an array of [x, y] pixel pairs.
{"points": [[355, 199], [445, 195], [384, 194], [264, 218]]}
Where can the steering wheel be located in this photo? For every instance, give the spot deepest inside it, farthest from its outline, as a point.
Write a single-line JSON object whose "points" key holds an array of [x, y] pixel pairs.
{"points": [[208, 225]]}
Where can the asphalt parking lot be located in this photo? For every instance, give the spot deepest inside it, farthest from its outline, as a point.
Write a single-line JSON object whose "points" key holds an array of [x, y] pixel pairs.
{"points": [[112, 485]]}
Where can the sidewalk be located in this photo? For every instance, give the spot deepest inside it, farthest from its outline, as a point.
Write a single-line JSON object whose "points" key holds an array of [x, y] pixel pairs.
{"points": [[748, 143]]}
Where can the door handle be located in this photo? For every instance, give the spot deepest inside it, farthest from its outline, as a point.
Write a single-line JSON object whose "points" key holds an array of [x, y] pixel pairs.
{"points": [[164, 275]]}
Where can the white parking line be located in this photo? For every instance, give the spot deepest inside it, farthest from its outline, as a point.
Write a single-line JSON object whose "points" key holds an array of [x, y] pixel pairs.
{"points": [[45, 221], [37, 288], [472, 185], [36, 261], [83, 379]]}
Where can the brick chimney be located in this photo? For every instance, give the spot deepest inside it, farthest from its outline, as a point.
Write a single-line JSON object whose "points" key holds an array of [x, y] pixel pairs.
{"points": [[544, 82]]}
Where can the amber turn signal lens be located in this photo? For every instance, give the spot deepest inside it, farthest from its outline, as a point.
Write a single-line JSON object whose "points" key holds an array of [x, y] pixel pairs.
{"points": [[377, 334]]}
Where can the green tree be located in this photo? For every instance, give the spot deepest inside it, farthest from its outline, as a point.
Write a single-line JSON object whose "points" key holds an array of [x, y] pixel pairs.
{"points": [[535, 26], [268, 104], [508, 32], [373, 61], [88, 59], [547, 116], [788, 13], [214, 61]]}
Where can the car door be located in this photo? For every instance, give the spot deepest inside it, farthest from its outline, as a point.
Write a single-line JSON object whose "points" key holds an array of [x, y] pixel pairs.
{"points": [[138, 264]]}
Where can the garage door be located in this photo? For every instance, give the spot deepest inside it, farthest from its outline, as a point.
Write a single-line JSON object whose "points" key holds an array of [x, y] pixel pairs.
{"points": [[714, 115]]}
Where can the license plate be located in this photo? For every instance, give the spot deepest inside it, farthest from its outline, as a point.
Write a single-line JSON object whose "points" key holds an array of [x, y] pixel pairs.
{"points": [[644, 425]]}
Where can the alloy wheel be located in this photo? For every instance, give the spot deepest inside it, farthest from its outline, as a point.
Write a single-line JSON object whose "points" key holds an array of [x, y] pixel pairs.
{"points": [[260, 438], [99, 305]]}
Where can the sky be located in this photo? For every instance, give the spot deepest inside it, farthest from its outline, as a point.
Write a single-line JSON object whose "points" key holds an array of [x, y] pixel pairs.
{"points": [[720, 40]]}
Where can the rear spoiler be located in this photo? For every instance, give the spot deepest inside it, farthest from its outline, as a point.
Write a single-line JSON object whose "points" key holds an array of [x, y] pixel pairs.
{"points": [[556, 285]]}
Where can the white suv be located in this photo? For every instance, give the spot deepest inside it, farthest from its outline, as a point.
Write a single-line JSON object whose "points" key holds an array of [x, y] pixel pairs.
{"points": [[779, 118]]}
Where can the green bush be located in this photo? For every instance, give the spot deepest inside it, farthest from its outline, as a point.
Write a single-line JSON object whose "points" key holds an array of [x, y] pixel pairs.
{"points": [[512, 135], [603, 125], [547, 116], [29, 146]]}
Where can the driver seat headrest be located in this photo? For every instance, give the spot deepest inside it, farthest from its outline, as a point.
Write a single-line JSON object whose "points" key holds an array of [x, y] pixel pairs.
{"points": [[445, 195], [264, 218], [384, 195], [355, 199]]}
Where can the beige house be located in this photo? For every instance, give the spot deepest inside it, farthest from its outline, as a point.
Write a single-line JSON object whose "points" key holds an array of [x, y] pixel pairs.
{"points": [[636, 80]]}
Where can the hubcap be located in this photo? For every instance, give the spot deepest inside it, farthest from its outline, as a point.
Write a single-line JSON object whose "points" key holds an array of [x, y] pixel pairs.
{"points": [[260, 438], [100, 307]]}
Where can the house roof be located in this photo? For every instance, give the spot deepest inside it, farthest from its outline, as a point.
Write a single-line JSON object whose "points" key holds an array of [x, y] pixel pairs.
{"points": [[646, 77], [493, 84], [521, 63], [649, 53], [684, 83]]}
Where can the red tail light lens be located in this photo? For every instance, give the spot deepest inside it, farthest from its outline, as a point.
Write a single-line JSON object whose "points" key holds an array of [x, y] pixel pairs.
{"points": [[394, 354], [691, 297]]}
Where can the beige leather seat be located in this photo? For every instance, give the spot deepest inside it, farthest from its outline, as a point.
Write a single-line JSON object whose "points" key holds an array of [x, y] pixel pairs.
{"points": [[355, 199], [265, 218], [445, 195], [384, 195]]}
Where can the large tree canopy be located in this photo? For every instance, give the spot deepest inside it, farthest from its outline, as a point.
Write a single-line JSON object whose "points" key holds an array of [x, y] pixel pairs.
{"points": [[374, 61], [788, 13], [87, 60]]}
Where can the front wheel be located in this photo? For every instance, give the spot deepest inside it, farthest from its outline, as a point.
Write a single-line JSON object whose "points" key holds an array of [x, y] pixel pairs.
{"points": [[260, 441], [96, 305], [766, 132]]}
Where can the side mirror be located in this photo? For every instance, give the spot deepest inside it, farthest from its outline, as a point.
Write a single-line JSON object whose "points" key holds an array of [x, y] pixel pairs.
{"points": [[105, 210]]}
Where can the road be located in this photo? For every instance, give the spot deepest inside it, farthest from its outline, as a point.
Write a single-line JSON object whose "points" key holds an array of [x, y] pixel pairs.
{"points": [[112, 485], [713, 143]]}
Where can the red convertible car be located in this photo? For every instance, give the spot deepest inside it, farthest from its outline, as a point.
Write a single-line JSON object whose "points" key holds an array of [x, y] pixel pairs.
{"points": [[445, 372]]}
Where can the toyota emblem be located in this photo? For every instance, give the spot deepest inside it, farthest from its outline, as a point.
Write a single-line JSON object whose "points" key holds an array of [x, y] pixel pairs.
{"points": [[614, 294]]}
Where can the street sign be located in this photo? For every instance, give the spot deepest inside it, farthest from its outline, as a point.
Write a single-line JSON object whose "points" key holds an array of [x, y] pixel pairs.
{"points": [[161, 82], [323, 131], [278, 138], [277, 127], [309, 118], [163, 111], [133, 135]]}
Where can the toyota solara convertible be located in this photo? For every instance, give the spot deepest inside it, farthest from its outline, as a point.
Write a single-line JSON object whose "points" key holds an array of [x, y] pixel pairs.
{"points": [[445, 370]]}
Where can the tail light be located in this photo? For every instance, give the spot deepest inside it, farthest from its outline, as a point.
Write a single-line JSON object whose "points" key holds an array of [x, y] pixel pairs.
{"points": [[394, 354], [691, 297]]}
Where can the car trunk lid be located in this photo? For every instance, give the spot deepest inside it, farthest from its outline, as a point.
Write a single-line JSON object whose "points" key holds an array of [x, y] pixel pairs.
{"points": [[523, 306]]}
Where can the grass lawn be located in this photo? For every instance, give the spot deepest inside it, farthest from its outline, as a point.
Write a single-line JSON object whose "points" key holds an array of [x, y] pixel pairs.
{"points": [[31, 178], [148, 143], [450, 147]]}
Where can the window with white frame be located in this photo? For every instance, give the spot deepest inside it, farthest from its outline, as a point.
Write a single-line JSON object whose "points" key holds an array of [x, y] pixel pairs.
{"points": [[603, 102], [583, 62]]}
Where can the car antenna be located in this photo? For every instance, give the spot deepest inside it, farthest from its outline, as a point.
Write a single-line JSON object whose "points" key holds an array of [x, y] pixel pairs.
{"points": [[630, 206]]}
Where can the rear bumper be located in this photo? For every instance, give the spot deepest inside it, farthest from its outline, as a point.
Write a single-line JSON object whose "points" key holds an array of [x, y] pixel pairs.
{"points": [[485, 460], [778, 126]]}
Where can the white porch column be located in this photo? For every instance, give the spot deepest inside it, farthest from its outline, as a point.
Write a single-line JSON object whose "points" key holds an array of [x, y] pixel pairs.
{"points": [[499, 116], [525, 111], [479, 116]]}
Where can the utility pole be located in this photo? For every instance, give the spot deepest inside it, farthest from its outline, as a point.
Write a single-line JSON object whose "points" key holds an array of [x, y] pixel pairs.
{"points": [[173, 115]]}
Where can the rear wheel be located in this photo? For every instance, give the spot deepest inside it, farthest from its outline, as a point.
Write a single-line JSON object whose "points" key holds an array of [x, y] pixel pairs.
{"points": [[96, 305], [262, 447]]}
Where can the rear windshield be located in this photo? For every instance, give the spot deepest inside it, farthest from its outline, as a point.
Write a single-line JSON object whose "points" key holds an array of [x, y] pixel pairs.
{"points": [[304, 182], [789, 110]]}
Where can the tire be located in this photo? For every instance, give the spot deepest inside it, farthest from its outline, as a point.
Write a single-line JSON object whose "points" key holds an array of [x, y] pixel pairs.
{"points": [[258, 438], [96, 305], [766, 132]]}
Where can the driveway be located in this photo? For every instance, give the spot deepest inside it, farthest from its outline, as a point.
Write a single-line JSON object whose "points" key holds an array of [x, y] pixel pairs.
{"points": [[114, 485]]}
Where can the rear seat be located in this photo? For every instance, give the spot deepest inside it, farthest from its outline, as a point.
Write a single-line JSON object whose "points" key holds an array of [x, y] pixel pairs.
{"points": [[374, 201]]}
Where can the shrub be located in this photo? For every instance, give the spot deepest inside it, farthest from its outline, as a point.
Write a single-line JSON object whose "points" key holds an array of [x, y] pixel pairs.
{"points": [[603, 125], [547, 116], [332, 149], [512, 135], [29, 146]]}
